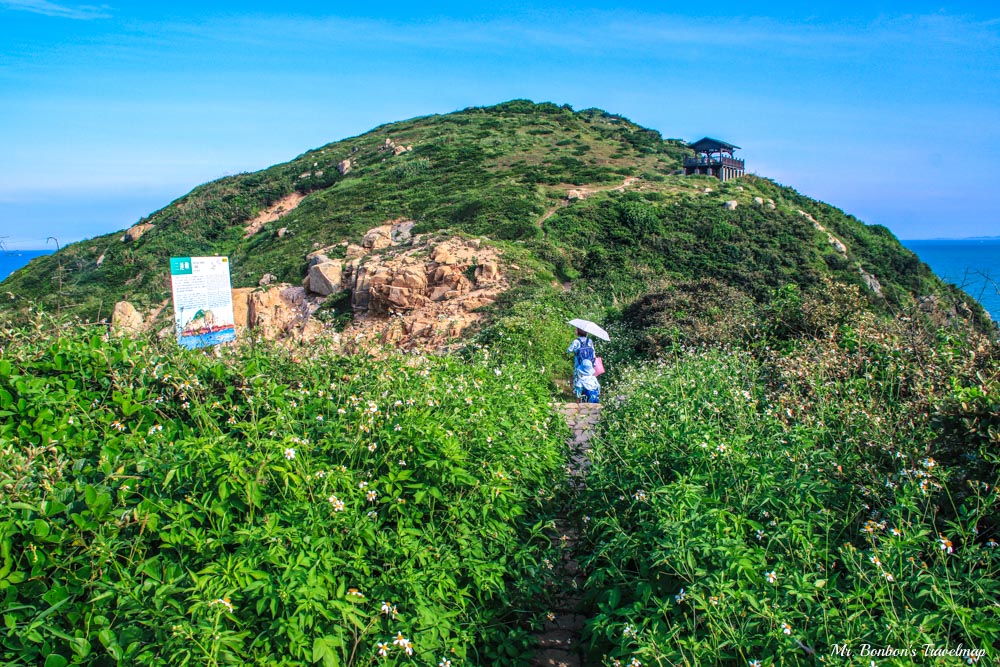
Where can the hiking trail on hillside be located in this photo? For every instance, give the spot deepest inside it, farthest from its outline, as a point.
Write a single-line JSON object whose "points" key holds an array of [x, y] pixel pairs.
{"points": [[558, 640], [582, 192]]}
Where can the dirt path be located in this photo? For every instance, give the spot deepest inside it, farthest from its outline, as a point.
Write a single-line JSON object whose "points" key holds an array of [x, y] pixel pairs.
{"points": [[276, 211], [582, 192], [558, 640]]}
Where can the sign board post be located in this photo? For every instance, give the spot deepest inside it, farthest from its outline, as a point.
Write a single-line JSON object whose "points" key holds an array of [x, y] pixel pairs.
{"points": [[203, 301]]}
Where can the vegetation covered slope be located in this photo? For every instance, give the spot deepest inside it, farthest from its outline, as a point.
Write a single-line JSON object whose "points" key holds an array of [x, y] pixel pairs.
{"points": [[789, 465], [503, 172], [176, 508]]}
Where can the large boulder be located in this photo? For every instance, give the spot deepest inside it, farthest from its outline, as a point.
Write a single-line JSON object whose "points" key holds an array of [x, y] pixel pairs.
{"points": [[486, 272], [441, 255], [447, 282], [344, 167], [731, 205], [410, 277], [135, 232], [325, 277], [366, 278], [125, 319], [401, 231], [871, 281], [377, 238], [278, 311], [240, 306]]}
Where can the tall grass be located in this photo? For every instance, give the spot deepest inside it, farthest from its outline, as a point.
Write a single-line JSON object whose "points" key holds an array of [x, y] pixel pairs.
{"points": [[777, 508]]}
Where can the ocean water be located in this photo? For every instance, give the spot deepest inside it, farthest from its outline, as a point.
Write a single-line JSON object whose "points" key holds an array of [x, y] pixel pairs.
{"points": [[12, 260], [973, 265]]}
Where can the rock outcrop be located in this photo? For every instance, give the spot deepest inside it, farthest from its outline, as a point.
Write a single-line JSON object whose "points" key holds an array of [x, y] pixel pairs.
{"points": [[731, 205], [395, 148], [409, 291], [404, 290], [837, 244], [126, 320], [135, 232], [871, 281], [324, 277]]}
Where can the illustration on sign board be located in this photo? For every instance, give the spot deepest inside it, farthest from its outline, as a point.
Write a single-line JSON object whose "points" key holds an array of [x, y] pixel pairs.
{"points": [[203, 301]]}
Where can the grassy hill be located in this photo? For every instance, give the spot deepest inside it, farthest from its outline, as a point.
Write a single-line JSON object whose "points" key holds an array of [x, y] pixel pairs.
{"points": [[789, 462], [503, 172]]}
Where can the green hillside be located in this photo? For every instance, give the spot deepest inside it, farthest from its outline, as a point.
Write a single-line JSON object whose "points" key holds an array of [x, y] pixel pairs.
{"points": [[502, 172], [795, 455]]}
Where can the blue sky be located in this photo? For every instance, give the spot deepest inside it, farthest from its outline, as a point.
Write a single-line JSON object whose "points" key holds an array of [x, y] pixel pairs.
{"points": [[888, 110]]}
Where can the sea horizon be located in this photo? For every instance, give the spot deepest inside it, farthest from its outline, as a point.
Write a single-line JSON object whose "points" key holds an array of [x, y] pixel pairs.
{"points": [[972, 264]]}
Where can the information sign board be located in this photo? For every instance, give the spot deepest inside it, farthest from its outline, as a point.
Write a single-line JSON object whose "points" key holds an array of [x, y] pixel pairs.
{"points": [[203, 300]]}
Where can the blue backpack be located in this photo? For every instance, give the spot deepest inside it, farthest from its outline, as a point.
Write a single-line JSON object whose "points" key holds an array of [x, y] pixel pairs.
{"points": [[585, 352]]}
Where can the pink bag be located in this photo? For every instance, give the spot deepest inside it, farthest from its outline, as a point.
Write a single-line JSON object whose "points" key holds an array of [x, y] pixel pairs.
{"points": [[598, 366]]}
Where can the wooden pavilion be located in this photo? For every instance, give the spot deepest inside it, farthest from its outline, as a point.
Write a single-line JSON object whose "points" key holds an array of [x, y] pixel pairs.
{"points": [[714, 158]]}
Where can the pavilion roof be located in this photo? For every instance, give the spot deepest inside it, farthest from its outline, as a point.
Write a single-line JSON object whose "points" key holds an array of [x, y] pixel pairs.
{"points": [[710, 144]]}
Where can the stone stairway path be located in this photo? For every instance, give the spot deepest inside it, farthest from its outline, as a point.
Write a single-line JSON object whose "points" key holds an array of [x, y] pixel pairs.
{"points": [[558, 640]]}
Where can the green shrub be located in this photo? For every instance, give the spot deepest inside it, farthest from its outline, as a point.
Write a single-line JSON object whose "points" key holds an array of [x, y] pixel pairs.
{"points": [[770, 508], [258, 506]]}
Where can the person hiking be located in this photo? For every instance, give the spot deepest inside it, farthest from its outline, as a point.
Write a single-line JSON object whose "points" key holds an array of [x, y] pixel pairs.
{"points": [[583, 349], [585, 384], [582, 346]]}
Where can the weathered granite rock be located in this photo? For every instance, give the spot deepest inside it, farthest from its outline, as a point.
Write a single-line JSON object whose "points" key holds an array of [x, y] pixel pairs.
{"points": [[377, 238], [731, 205], [125, 319], [401, 231], [325, 277], [410, 277], [486, 272], [871, 281], [240, 307], [278, 310], [135, 232], [836, 243], [344, 167], [441, 255]]}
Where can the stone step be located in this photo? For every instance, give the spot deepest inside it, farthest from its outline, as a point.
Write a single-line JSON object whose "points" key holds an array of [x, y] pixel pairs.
{"points": [[559, 638], [554, 657]]}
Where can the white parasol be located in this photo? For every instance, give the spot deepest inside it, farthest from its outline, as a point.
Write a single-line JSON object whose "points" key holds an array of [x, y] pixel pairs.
{"points": [[591, 328]]}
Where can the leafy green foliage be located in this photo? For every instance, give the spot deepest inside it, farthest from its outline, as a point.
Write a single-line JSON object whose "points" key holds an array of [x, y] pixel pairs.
{"points": [[163, 507], [788, 461], [770, 505]]}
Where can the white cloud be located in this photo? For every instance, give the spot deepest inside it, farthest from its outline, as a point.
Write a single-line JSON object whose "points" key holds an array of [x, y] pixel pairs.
{"points": [[46, 8]]}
